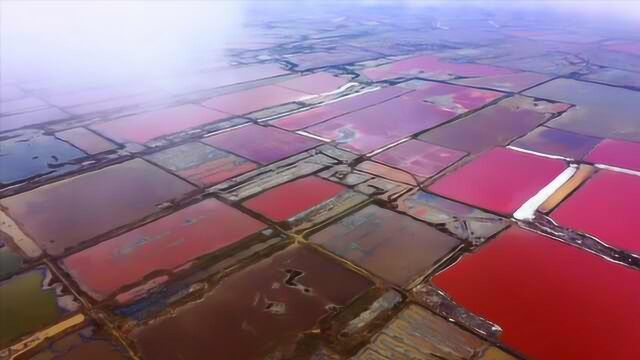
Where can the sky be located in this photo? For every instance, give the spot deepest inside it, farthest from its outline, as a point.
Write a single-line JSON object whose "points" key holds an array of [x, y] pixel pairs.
{"points": [[114, 40]]}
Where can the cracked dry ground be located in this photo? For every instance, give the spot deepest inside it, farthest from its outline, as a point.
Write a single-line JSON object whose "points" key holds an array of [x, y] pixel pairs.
{"points": [[346, 188]]}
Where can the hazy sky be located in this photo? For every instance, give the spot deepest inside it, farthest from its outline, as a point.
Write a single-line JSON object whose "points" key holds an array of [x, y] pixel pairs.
{"points": [[121, 39]]}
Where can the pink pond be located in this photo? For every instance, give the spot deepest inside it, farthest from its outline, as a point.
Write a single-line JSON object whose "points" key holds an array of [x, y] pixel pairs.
{"points": [[432, 67], [315, 84], [509, 82], [147, 126], [248, 101], [261, 144], [419, 158], [631, 47], [618, 153], [377, 126], [500, 180], [323, 113], [164, 244], [557, 142], [286, 201], [458, 99], [614, 220], [539, 291]]}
